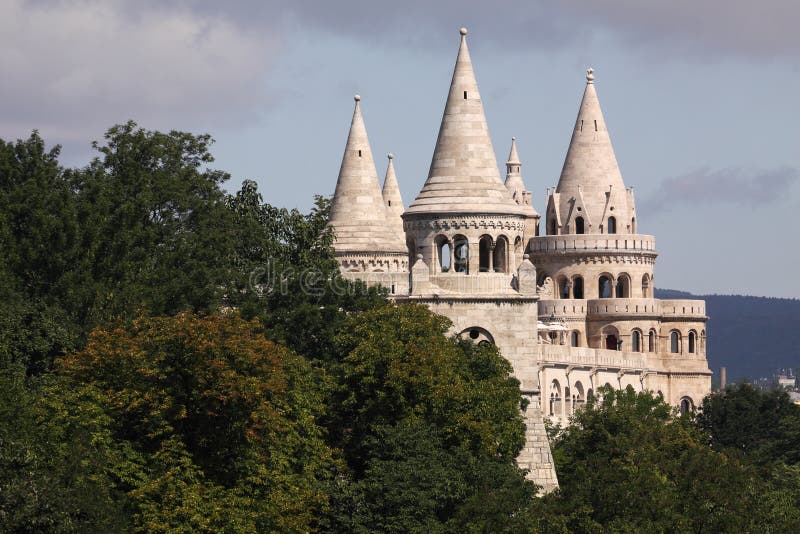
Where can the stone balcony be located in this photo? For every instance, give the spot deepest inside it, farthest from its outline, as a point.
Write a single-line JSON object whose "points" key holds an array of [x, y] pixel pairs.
{"points": [[616, 307], [590, 357], [483, 283], [583, 243], [683, 309]]}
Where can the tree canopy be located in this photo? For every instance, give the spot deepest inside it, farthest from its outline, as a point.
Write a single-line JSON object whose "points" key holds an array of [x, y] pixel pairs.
{"points": [[178, 358]]}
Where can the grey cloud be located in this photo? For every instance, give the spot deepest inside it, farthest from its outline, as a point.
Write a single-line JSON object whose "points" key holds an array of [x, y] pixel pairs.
{"points": [[74, 68], [684, 28], [737, 186]]}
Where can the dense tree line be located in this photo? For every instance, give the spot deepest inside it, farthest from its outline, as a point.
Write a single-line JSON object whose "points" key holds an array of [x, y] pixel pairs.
{"points": [[175, 358]]}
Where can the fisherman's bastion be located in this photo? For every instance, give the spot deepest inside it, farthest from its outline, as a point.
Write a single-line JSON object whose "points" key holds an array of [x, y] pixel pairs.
{"points": [[568, 300]]}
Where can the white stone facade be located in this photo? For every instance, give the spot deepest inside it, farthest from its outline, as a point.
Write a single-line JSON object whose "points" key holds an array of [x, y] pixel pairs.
{"points": [[572, 310]]}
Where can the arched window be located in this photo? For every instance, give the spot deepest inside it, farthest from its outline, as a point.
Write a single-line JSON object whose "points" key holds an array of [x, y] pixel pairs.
{"points": [[578, 395], [500, 250], [623, 290], [555, 398], [612, 339], [563, 287], [651, 341], [633, 225], [484, 254], [674, 342], [605, 287], [612, 225], [577, 287], [687, 406], [552, 229], [703, 341], [579, 225], [645, 286], [636, 341], [590, 395], [575, 338], [692, 340], [478, 335], [461, 255], [445, 253]]}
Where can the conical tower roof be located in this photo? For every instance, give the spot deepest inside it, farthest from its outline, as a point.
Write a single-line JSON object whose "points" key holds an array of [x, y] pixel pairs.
{"points": [[392, 199], [358, 215], [463, 176], [590, 167]]}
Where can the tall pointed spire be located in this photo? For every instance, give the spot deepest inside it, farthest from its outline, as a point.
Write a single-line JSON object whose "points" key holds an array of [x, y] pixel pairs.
{"points": [[591, 171], [358, 215], [392, 199], [463, 176]]}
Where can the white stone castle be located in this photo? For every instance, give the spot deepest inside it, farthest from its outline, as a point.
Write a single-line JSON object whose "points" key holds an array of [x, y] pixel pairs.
{"points": [[572, 310]]}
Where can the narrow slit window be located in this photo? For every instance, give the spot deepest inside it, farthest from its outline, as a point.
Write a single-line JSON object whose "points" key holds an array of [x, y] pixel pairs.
{"points": [[595, 126], [465, 95], [581, 124], [359, 153]]}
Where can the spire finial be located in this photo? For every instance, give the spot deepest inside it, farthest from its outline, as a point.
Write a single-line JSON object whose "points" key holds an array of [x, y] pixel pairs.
{"points": [[590, 75], [357, 98], [463, 31], [390, 155]]}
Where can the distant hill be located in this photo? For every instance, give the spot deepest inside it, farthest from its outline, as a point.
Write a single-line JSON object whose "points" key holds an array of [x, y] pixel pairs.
{"points": [[751, 336]]}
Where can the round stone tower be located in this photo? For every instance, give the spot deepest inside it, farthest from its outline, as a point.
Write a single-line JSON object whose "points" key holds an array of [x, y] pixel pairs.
{"points": [[466, 231], [369, 241]]}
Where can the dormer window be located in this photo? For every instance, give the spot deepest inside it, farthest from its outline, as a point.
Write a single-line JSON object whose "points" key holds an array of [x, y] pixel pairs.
{"points": [[465, 95], [359, 153]]}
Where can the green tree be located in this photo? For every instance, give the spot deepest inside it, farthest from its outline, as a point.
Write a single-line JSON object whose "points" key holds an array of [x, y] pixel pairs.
{"points": [[764, 425], [225, 418], [156, 229], [59, 464], [40, 239], [429, 427], [630, 464]]}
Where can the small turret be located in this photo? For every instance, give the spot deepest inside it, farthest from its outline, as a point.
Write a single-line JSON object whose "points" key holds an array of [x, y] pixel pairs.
{"points": [[514, 182], [358, 215], [392, 199]]}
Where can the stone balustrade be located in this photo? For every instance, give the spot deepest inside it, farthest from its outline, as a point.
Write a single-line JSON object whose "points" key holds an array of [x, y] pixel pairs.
{"points": [[683, 308], [562, 307], [605, 307], [624, 307], [589, 357], [479, 283], [588, 242]]}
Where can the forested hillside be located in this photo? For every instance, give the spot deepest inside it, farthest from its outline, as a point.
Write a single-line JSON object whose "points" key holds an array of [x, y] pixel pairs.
{"points": [[179, 359], [752, 336]]}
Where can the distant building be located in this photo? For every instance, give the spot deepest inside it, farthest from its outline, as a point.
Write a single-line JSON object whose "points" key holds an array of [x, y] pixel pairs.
{"points": [[571, 307], [785, 379]]}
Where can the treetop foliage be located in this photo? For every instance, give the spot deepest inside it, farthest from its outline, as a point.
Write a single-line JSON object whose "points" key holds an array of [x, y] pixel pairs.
{"points": [[176, 358]]}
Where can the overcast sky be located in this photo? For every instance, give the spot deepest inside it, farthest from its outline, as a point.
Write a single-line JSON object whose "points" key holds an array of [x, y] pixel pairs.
{"points": [[700, 99]]}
